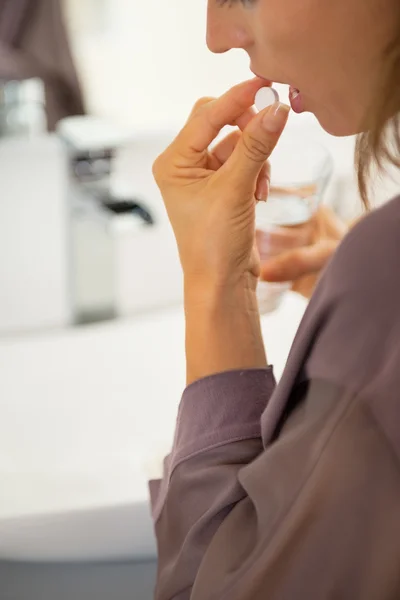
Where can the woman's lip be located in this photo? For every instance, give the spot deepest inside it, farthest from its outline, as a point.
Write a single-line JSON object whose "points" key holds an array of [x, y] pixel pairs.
{"points": [[296, 100], [295, 97]]}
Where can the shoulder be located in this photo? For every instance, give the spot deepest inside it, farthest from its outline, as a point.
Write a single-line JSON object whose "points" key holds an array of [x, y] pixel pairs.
{"points": [[357, 311], [368, 260], [356, 307]]}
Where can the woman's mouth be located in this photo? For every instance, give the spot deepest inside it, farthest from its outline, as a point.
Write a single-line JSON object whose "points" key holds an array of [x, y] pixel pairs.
{"points": [[295, 97], [296, 100]]}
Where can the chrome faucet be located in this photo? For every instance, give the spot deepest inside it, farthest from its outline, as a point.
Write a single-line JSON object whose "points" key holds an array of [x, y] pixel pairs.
{"points": [[92, 208]]}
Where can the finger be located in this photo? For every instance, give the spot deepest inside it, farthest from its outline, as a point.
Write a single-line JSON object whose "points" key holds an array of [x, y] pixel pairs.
{"points": [[224, 149], [305, 285], [240, 122], [199, 105], [220, 154], [263, 183], [255, 146], [283, 239], [209, 117], [264, 178], [245, 118], [297, 263], [334, 227]]}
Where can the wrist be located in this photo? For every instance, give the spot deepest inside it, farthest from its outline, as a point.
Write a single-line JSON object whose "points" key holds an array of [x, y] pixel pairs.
{"points": [[211, 295], [223, 330]]}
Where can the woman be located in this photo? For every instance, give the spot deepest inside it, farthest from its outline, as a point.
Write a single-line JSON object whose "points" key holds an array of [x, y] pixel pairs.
{"points": [[290, 491]]}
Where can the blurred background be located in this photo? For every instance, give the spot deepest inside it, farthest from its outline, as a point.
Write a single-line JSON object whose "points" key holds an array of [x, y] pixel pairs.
{"points": [[132, 71], [91, 320]]}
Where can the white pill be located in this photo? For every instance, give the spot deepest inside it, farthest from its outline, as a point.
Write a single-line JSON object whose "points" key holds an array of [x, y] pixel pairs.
{"points": [[265, 97]]}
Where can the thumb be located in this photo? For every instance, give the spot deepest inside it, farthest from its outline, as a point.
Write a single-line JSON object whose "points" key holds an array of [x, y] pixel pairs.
{"points": [[255, 146]]}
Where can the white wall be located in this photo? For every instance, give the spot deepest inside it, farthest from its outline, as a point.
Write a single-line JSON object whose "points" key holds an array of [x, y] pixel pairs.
{"points": [[145, 62]]}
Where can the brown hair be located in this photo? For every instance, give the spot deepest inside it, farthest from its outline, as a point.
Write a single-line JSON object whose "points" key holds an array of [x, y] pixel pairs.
{"points": [[380, 144]]}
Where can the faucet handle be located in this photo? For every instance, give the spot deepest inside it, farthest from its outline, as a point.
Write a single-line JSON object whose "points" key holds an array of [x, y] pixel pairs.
{"points": [[126, 207]]}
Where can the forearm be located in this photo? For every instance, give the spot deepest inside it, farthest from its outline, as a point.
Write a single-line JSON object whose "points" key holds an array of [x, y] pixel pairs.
{"points": [[218, 432], [223, 330]]}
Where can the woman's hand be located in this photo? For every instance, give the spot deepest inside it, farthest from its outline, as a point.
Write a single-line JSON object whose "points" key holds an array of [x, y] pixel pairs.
{"points": [[307, 249], [210, 196]]}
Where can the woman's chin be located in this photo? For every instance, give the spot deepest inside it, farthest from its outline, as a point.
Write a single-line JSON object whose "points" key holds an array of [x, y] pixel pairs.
{"points": [[337, 127]]}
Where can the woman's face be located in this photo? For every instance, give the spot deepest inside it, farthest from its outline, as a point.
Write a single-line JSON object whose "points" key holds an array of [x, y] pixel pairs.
{"points": [[329, 50]]}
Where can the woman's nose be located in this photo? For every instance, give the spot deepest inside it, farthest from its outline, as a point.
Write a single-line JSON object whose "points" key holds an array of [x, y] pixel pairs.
{"points": [[224, 30]]}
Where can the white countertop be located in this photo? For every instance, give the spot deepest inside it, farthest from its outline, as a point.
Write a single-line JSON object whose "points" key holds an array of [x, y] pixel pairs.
{"points": [[85, 418]]}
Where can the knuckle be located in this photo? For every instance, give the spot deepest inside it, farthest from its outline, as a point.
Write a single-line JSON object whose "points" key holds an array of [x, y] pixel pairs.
{"points": [[201, 103], [233, 137], [158, 168], [254, 148]]}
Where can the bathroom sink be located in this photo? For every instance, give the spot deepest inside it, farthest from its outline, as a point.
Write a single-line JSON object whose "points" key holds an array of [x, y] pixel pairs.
{"points": [[82, 413], [86, 417]]}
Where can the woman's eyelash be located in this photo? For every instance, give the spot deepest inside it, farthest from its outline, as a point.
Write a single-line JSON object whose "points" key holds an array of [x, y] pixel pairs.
{"points": [[231, 2]]}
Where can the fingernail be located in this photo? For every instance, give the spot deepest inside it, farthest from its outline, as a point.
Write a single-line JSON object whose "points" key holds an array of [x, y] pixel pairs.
{"points": [[263, 189], [275, 118]]}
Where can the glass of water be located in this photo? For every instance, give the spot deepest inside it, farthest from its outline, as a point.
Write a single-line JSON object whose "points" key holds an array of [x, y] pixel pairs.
{"points": [[300, 172]]}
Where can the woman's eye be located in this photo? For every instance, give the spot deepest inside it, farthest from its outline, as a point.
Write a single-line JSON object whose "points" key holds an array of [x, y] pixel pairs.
{"points": [[232, 2]]}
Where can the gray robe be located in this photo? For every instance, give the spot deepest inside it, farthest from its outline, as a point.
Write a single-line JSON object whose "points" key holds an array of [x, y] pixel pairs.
{"points": [[292, 492]]}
